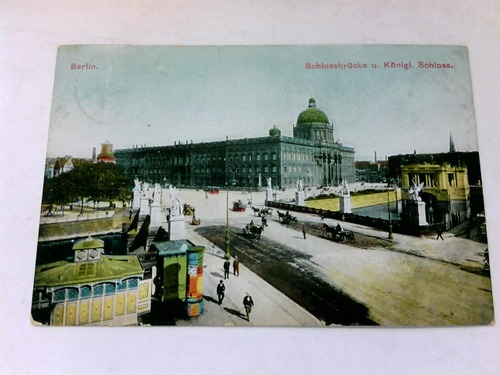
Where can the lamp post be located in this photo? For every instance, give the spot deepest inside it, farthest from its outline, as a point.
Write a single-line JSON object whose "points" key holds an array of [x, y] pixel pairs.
{"points": [[228, 242], [389, 211]]}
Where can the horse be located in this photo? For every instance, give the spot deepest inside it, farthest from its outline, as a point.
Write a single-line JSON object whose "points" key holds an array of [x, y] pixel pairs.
{"points": [[330, 230], [253, 230], [266, 211], [256, 231], [256, 211]]}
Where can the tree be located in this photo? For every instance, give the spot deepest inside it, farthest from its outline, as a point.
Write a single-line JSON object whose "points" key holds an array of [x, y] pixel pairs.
{"points": [[97, 182]]}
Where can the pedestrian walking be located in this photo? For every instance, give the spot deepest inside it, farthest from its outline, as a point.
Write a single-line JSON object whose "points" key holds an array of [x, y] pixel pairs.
{"points": [[248, 303], [227, 264], [439, 233], [221, 288], [304, 231], [236, 266]]}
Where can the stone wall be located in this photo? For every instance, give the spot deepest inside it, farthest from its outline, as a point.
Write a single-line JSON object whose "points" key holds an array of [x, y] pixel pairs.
{"points": [[78, 228]]}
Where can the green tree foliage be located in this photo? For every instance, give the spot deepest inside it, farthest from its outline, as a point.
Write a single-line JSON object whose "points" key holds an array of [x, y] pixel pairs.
{"points": [[97, 182]]}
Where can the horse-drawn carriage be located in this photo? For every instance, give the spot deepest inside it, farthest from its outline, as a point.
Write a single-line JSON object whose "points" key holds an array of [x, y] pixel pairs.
{"points": [[253, 231], [286, 218], [261, 212], [239, 206], [338, 234]]}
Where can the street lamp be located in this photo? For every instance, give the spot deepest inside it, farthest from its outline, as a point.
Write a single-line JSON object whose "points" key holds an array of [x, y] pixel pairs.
{"points": [[389, 211], [228, 245], [228, 242]]}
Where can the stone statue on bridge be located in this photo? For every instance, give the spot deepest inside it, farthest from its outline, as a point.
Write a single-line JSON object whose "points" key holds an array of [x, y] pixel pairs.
{"points": [[345, 189], [175, 201], [415, 190]]}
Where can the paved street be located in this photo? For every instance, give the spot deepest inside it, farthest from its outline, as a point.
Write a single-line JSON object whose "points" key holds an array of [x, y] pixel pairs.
{"points": [[418, 281]]}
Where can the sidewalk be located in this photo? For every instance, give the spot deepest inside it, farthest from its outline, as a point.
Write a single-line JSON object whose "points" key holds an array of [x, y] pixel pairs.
{"points": [[272, 308]]}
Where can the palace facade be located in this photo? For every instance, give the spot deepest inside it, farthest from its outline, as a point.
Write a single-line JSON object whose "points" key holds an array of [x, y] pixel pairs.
{"points": [[311, 155]]}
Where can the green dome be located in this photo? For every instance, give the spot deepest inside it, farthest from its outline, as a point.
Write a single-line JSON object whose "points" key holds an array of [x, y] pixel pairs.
{"points": [[274, 131], [89, 243], [312, 115]]}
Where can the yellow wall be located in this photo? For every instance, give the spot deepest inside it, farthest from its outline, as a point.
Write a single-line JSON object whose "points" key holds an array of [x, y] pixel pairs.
{"points": [[357, 201]]}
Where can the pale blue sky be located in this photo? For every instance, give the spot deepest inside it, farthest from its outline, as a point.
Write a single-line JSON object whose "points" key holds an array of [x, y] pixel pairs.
{"points": [[156, 95]]}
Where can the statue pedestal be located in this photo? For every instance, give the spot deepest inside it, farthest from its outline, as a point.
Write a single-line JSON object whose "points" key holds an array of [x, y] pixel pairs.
{"points": [[299, 198], [345, 204], [136, 202], [177, 228], [144, 207], [416, 214], [269, 195], [155, 216]]}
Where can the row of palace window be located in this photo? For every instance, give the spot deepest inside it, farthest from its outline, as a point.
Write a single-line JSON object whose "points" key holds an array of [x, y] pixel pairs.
{"points": [[242, 169], [258, 157], [297, 156], [237, 170], [297, 169], [153, 160], [97, 290], [257, 169]]}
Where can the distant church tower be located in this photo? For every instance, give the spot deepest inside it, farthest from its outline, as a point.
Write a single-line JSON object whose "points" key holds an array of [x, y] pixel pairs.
{"points": [[106, 155], [452, 144]]}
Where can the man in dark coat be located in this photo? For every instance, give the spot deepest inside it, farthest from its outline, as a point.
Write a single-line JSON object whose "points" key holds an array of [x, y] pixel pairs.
{"points": [[248, 303], [227, 264], [221, 288], [439, 233]]}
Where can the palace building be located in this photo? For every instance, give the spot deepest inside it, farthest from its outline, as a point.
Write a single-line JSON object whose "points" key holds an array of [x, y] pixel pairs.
{"points": [[311, 155]]}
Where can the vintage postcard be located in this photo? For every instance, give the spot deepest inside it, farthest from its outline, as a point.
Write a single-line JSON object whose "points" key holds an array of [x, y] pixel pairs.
{"points": [[293, 186]]}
